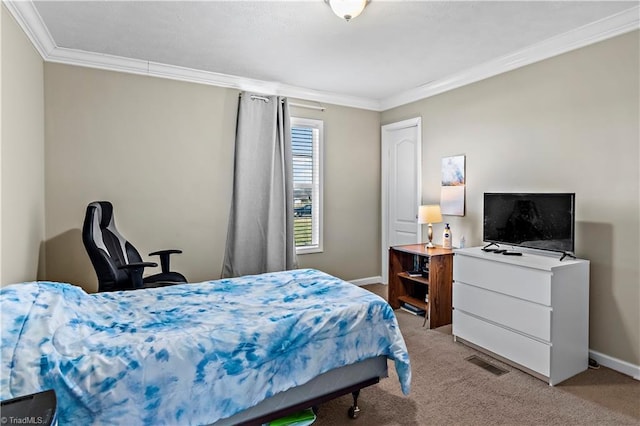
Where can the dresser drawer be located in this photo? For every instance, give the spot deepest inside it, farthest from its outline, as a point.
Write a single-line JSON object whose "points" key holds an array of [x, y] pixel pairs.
{"points": [[527, 317], [516, 347], [506, 278]]}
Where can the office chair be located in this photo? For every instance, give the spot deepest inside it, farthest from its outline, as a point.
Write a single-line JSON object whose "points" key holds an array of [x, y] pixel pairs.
{"points": [[116, 261]]}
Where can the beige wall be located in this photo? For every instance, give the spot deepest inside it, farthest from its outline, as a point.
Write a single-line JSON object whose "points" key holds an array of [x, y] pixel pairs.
{"points": [[351, 192], [162, 152], [22, 155], [571, 124]]}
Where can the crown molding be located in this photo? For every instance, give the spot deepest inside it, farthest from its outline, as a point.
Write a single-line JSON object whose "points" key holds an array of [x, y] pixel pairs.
{"points": [[31, 23], [173, 72], [594, 32], [26, 15]]}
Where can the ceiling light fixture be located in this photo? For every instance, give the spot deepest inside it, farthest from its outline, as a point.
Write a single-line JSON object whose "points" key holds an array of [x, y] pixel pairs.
{"points": [[347, 9]]}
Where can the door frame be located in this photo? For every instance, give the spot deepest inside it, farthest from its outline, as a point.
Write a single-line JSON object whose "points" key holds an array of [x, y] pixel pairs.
{"points": [[384, 180]]}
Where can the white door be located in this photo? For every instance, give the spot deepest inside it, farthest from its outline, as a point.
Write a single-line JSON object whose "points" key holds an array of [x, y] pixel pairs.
{"points": [[401, 186]]}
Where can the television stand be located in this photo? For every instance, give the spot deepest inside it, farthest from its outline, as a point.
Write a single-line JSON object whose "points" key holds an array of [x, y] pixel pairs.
{"points": [[530, 311], [567, 254], [489, 245]]}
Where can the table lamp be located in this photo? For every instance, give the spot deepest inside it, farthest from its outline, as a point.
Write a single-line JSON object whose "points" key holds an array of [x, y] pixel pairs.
{"points": [[429, 214]]}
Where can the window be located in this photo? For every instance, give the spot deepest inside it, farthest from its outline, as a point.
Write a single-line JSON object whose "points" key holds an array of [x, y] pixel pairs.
{"points": [[306, 141]]}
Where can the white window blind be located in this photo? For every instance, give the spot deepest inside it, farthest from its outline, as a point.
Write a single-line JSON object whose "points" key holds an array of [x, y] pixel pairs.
{"points": [[306, 138]]}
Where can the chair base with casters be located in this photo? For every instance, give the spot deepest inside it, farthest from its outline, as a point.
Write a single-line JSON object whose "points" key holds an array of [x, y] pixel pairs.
{"points": [[116, 261]]}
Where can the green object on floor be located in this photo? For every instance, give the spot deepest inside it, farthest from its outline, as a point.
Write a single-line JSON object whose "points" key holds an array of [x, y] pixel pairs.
{"points": [[301, 418]]}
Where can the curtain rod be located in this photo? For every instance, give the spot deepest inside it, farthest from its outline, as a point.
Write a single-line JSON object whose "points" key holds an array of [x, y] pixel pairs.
{"points": [[262, 98], [293, 104]]}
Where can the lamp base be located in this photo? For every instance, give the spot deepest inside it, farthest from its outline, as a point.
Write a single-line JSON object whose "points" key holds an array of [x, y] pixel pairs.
{"points": [[430, 236]]}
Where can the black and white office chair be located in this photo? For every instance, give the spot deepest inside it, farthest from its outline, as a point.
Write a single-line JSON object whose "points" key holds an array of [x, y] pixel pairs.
{"points": [[117, 263]]}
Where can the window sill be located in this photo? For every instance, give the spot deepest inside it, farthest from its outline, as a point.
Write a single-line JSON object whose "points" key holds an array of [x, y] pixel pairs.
{"points": [[309, 250]]}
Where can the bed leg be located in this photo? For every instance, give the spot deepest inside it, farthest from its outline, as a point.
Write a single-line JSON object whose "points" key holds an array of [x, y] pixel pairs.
{"points": [[354, 410]]}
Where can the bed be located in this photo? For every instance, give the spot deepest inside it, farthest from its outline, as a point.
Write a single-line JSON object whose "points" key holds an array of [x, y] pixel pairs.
{"points": [[220, 352]]}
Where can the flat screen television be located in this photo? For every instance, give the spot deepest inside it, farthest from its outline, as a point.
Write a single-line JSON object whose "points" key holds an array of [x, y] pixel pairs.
{"points": [[544, 221]]}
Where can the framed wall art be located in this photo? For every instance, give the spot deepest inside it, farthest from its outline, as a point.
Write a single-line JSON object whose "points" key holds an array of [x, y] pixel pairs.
{"points": [[452, 186]]}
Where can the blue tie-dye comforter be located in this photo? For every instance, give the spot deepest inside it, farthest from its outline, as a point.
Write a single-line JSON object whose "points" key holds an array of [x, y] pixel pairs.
{"points": [[187, 354]]}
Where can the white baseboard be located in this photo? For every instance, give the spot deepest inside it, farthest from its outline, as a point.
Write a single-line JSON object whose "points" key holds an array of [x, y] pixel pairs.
{"points": [[365, 281], [620, 366]]}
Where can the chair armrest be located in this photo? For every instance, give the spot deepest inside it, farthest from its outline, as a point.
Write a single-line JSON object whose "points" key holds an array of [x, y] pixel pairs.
{"points": [[161, 252], [135, 271], [138, 265], [164, 257]]}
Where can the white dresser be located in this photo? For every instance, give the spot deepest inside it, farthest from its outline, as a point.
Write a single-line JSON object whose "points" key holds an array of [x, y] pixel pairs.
{"points": [[531, 311]]}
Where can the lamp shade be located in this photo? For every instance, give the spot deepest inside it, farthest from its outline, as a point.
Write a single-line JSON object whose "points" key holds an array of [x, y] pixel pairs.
{"points": [[429, 214], [347, 9]]}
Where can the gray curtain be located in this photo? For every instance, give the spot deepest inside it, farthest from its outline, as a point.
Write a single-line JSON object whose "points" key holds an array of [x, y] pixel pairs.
{"points": [[260, 235]]}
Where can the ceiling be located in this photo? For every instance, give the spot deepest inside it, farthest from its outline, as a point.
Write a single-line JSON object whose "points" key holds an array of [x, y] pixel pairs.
{"points": [[396, 51]]}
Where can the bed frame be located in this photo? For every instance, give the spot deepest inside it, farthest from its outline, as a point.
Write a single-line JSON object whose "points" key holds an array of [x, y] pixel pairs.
{"points": [[323, 388]]}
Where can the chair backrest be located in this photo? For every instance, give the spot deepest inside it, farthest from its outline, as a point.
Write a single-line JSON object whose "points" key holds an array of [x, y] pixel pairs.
{"points": [[106, 247]]}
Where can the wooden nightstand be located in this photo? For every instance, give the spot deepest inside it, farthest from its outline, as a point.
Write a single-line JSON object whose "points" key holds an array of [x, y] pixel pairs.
{"points": [[430, 291]]}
